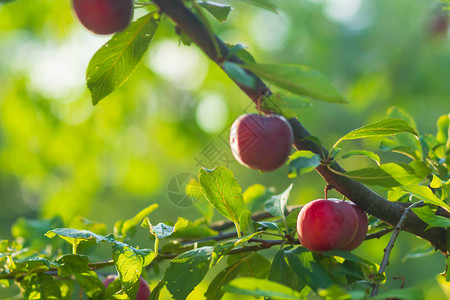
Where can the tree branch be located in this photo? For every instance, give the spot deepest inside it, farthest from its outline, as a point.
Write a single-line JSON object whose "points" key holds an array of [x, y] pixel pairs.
{"points": [[390, 245], [374, 204]]}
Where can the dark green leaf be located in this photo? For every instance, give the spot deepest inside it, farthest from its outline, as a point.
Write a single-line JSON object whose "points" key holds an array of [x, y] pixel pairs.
{"points": [[255, 265], [215, 291], [113, 64], [260, 288], [238, 74], [302, 162], [129, 262], [390, 175], [300, 80], [307, 269], [187, 270], [218, 10], [33, 231], [154, 295], [281, 272], [269, 225]]}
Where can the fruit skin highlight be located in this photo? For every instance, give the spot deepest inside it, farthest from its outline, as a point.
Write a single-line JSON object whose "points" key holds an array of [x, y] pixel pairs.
{"points": [[363, 226], [104, 16], [143, 291], [324, 225], [261, 142]]}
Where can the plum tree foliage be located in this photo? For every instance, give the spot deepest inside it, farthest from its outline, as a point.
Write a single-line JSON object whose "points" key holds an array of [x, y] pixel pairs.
{"points": [[311, 244]]}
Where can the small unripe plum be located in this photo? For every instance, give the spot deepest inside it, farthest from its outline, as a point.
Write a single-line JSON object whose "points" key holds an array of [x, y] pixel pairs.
{"points": [[363, 224], [324, 225], [261, 142], [143, 291], [104, 16]]}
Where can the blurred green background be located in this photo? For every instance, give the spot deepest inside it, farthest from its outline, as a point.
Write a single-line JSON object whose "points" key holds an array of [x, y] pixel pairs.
{"points": [[60, 156]]}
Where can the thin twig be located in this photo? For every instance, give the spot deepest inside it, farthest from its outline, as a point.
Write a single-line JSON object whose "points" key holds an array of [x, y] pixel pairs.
{"points": [[390, 245]]}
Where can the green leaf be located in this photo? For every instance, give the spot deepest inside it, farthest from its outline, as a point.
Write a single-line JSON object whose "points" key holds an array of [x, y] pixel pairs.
{"points": [[405, 293], [224, 248], [113, 64], [428, 216], [40, 286], [238, 74], [129, 262], [436, 182], [286, 104], [405, 143], [300, 80], [260, 288], [162, 230], [264, 4], [276, 205], [223, 192], [365, 153], [187, 270], [443, 134], [307, 269], [255, 196], [136, 220], [255, 265], [215, 291], [77, 265], [154, 295], [281, 272], [32, 232], [351, 257], [382, 128], [390, 174], [424, 193], [218, 10], [419, 251], [73, 236], [302, 162]]}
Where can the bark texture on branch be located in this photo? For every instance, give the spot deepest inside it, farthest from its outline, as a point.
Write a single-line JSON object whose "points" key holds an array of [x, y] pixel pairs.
{"points": [[372, 203]]}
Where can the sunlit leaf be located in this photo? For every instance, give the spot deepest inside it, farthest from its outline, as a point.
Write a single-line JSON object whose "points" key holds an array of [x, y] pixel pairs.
{"points": [[424, 193], [223, 192], [73, 236], [428, 216], [129, 262], [390, 174], [378, 129]]}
